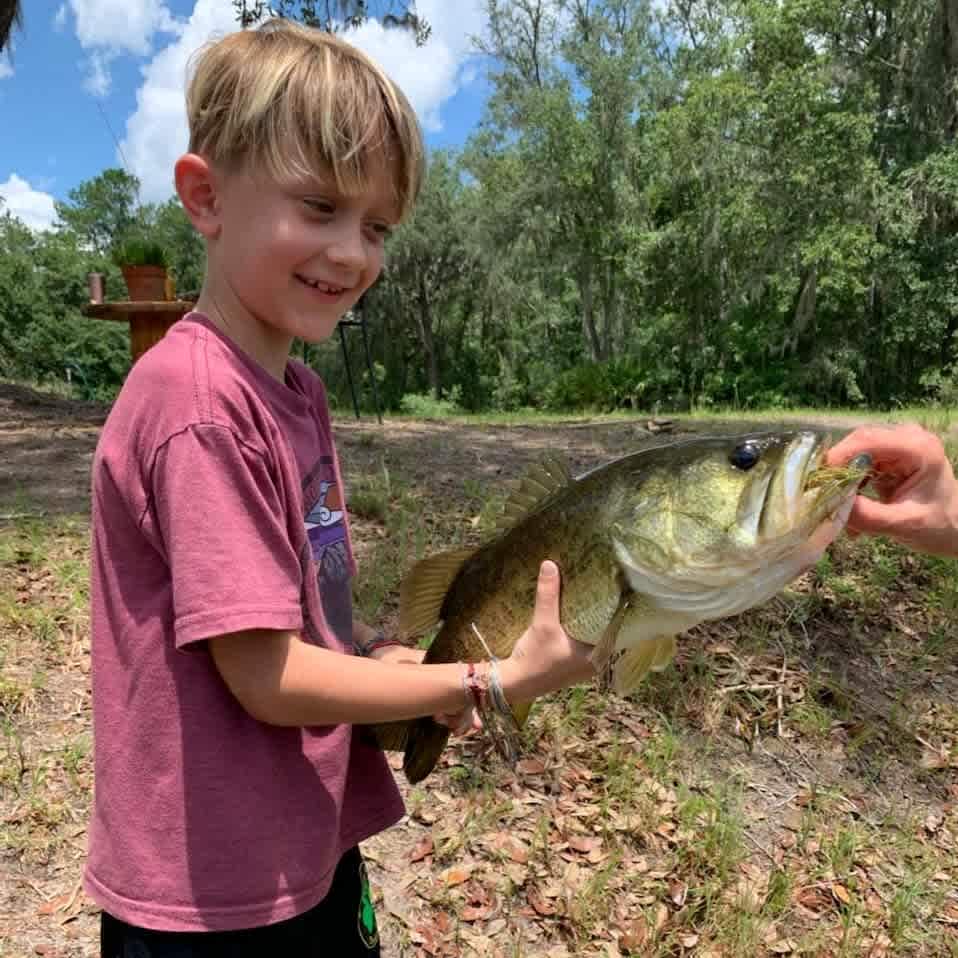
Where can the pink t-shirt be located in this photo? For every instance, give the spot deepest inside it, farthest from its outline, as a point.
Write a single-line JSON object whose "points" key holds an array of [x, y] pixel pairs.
{"points": [[217, 506]]}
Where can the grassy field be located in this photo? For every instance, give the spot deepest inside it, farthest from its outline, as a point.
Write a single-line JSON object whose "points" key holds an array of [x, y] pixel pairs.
{"points": [[789, 786]]}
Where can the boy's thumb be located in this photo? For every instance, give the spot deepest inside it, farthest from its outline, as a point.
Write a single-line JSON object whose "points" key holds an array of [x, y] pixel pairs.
{"points": [[547, 596]]}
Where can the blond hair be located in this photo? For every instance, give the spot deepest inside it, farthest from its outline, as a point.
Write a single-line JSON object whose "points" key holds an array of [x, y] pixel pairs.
{"points": [[303, 103]]}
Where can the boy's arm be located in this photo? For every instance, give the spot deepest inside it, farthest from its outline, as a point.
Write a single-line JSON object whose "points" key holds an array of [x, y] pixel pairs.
{"points": [[281, 680]]}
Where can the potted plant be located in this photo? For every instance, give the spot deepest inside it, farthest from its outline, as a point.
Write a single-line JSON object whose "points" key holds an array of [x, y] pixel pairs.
{"points": [[143, 264]]}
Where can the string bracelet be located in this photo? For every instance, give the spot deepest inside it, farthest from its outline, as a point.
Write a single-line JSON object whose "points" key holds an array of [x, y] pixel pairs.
{"points": [[378, 641], [495, 712]]}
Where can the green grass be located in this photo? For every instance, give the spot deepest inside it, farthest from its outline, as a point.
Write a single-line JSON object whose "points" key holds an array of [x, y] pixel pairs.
{"points": [[939, 419]]}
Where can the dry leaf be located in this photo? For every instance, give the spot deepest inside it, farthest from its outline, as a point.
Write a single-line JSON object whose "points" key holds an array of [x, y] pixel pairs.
{"points": [[55, 904], [530, 766], [783, 946], [456, 876], [633, 935], [688, 941], [424, 848], [841, 893], [677, 892], [541, 905]]}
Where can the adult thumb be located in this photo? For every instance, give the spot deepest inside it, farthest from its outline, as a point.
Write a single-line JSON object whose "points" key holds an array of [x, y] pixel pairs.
{"points": [[546, 614]]}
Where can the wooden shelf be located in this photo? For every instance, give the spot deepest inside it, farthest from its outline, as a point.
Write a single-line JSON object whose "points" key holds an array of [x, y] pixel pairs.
{"points": [[148, 320], [122, 309]]}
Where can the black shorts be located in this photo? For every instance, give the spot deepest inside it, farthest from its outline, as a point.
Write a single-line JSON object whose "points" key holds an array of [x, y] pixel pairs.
{"points": [[342, 924]]}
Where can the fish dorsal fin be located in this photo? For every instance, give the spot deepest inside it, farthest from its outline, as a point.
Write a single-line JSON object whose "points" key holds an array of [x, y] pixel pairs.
{"points": [[424, 588], [542, 481]]}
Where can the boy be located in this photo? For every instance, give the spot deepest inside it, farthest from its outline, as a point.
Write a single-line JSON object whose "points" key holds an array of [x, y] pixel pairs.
{"points": [[231, 791]]}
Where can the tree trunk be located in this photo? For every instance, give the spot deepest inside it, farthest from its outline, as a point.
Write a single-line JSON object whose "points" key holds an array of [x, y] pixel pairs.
{"points": [[424, 322], [588, 311], [609, 303]]}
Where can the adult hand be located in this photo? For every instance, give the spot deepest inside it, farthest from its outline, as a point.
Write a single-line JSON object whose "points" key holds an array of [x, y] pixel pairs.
{"points": [[916, 485], [545, 658]]}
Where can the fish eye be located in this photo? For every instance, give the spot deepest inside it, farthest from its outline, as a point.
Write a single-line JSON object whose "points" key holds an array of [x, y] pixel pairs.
{"points": [[745, 456]]}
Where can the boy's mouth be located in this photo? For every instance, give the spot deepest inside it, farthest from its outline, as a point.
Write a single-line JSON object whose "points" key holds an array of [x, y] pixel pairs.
{"points": [[322, 287]]}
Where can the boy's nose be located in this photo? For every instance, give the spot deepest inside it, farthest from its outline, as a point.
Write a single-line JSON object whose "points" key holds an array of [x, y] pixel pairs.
{"points": [[348, 249]]}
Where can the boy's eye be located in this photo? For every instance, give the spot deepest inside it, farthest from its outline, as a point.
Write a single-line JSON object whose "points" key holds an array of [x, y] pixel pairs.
{"points": [[382, 230], [320, 205]]}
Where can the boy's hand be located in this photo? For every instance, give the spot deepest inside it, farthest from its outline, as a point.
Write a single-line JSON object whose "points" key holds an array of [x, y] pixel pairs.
{"points": [[916, 485], [545, 658], [459, 723]]}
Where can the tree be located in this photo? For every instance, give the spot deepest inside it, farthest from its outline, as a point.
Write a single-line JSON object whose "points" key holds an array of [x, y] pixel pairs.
{"points": [[102, 209], [9, 18], [334, 15], [571, 78]]}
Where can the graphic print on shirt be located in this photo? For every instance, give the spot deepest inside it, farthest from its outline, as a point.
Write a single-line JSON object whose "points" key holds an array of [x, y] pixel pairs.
{"points": [[325, 526]]}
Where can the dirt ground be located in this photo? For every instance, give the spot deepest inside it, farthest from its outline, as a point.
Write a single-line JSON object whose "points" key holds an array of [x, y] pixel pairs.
{"points": [[46, 448]]}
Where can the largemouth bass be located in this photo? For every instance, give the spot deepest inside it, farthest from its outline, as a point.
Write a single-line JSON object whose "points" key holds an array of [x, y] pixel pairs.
{"points": [[648, 546]]}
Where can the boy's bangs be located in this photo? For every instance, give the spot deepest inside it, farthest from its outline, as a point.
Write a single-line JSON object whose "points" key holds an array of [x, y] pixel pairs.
{"points": [[302, 105], [356, 160]]}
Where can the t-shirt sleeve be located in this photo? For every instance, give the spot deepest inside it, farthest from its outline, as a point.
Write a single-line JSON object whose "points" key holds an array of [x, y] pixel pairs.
{"points": [[220, 519]]}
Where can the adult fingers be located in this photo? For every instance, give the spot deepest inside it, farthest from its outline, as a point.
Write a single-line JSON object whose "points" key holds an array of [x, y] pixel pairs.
{"points": [[905, 448], [873, 517]]}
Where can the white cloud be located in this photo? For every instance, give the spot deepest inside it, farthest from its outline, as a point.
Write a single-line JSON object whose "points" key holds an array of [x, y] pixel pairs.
{"points": [[111, 28], [60, 19], [98, 80], [33, 207], [156, 133], [6, 61], [432, 74]]}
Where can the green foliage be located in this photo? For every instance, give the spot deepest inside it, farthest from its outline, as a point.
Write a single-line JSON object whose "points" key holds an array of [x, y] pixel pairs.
{"points": [[735, 203], [101, 209], [428, 407], [135, 251]]}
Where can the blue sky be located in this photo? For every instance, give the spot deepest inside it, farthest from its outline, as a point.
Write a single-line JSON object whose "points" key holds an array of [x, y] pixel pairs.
{"points": [[83, 72]]}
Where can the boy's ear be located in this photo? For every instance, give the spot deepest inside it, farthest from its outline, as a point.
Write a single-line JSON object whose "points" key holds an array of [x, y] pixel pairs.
{"points": [[196, 185]]}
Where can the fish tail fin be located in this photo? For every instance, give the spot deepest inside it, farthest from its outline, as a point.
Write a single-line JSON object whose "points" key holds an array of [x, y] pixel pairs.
{"points": [[631, 666], [425, 743], [390, 736]]}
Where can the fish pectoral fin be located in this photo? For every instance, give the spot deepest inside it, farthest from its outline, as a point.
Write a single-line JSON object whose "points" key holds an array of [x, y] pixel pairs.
{"points": [[632, 665], [424, 589], [603, 655], [542, 481]]}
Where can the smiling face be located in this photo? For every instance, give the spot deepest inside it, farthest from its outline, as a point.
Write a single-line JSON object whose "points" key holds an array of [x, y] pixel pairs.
{"points": [[302, 154], [294, 258]]}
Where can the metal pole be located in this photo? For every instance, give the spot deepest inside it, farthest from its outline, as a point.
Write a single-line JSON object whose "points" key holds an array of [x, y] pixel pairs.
{"points": [[369, 362], [349, 372]]}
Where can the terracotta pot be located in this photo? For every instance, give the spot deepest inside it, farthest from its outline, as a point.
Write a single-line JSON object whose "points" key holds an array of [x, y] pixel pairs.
{"points": [[145, 283]]}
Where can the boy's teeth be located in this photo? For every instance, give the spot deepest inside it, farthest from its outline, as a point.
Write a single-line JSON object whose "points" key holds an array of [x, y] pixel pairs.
{"points": [[325, 287]]}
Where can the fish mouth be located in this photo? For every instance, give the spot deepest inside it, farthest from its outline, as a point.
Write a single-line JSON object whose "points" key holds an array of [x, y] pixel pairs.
{"points": [[795, 501]]}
